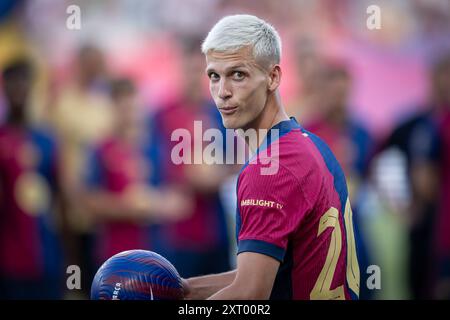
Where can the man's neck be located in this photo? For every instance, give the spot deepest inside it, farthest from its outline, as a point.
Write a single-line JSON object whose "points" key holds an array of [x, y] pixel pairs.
{"points": [[272, 114]]}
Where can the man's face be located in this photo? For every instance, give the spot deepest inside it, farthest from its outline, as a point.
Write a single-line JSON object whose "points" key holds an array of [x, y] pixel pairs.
{"points": [[127, 113], [17, 88], [91, 64], [335, 91], [238, 85]]}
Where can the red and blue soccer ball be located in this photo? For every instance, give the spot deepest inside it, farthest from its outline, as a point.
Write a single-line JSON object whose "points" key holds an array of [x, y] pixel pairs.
{"points": [[137, 275]]}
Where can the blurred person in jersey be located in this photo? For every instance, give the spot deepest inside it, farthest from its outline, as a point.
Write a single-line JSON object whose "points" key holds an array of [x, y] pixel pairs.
{"points": [[119, 193], [198, 244], [349, 140], [293, 222], [309, 69], [81, 116], [31, 265], [82, 112], [422, 139]]}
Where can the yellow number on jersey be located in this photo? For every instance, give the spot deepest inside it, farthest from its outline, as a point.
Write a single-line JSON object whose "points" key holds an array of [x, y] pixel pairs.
{"points": [[322, 288]]}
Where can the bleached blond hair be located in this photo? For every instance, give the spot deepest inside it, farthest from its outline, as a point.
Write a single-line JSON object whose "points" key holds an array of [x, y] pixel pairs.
{"points": [[234, 32]]}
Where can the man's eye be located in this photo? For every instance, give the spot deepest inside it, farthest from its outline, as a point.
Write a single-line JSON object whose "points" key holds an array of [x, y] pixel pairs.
{"points": [[213, 76], [238, 75]]}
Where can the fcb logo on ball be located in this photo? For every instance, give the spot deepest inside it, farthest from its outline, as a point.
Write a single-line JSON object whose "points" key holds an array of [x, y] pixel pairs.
{"points": [[137, 275]]}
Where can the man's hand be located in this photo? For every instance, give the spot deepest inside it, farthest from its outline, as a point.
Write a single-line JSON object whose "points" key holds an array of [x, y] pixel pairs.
{"points": [[186, 289], [200, 288]]}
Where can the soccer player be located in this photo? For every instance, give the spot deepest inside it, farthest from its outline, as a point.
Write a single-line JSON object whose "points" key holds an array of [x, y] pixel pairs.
{"points": [[31, 257], [294, 225]]}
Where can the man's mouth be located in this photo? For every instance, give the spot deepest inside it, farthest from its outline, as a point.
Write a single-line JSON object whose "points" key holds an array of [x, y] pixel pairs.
{"points": [[228, 110]]}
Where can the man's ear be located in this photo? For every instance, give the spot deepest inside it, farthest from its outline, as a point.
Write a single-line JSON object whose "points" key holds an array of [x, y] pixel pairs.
{"points": [[274, 77]]}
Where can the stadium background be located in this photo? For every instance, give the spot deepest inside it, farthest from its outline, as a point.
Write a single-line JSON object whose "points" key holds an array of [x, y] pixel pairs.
{"points": [[353, 86]]}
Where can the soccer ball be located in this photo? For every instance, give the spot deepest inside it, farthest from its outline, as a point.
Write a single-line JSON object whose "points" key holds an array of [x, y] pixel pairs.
{"points": [[137, 275]]}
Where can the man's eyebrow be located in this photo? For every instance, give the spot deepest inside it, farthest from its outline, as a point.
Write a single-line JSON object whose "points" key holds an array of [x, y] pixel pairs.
{"points": [[209, 70], [236, 66]]}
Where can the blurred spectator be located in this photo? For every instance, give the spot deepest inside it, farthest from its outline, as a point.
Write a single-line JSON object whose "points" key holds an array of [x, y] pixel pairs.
{"points": [[82, 116], [419, 139], [119, 193], [198, 244], [30, 248], [349, 140], [309, 70]]}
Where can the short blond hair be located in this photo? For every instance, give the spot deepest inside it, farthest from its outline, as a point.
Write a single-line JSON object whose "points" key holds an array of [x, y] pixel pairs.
{"points": [[234, 32]]}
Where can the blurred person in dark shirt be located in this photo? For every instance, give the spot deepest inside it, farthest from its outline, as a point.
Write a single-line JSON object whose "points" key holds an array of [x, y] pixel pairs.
{"points": [[423, 139], [31, 259]]}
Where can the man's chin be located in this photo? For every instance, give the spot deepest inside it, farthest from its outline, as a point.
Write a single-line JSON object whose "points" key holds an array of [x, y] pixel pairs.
{"points": [[230, 123]]}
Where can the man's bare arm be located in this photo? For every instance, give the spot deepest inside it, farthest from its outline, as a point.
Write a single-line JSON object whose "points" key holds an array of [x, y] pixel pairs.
{"points": [[254, 278], [199, 288]]}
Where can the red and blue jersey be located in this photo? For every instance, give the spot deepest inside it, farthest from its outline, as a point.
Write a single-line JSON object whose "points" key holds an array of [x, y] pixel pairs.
{"points": [[300, 215], [29, 245]]}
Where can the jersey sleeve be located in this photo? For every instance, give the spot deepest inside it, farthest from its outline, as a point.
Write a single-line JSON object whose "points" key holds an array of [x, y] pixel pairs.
{"points": [[271, 207]]}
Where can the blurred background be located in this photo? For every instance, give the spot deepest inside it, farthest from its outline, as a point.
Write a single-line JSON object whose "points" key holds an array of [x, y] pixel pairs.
{"points": [[86, 116]]}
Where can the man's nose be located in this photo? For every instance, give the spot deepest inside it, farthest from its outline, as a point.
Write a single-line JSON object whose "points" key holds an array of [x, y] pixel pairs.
{"points": [[224, 92]]}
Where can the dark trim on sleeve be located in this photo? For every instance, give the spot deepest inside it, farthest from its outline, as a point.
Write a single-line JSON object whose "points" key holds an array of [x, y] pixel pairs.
{"points": [[262, 247]]}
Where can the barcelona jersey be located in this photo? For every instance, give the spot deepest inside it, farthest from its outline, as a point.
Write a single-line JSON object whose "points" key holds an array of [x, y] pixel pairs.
{"points": [[116, 166], [298, 213], [29, 242]]}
